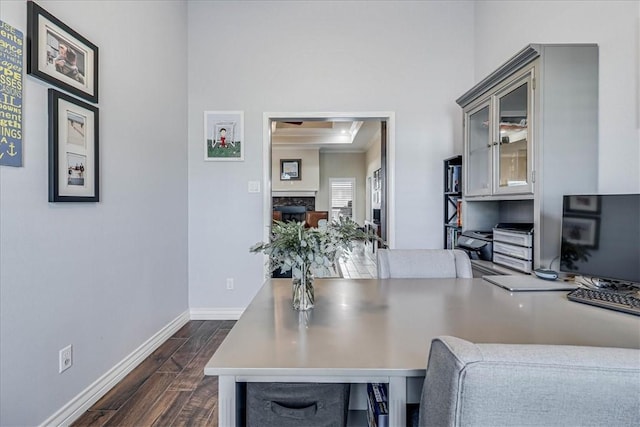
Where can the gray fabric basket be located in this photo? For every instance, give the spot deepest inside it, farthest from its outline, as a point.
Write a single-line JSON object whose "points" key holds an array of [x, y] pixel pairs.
{"points": [[297, 404]]}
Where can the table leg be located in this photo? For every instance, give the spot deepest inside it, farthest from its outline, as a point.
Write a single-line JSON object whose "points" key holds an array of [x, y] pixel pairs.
{"points": [[227, 401], [397, 401]]}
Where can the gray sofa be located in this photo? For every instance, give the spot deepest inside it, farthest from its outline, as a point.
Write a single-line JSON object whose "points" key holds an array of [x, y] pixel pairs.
{"points": [[469, 384]]}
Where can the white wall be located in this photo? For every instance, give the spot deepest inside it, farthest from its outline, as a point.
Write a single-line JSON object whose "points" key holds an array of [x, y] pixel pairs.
{"points": [[413, 58], [503, 28], [104, 276]]}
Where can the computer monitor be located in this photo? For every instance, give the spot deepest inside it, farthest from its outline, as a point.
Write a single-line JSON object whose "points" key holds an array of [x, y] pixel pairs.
{"points": [[601, 236]]}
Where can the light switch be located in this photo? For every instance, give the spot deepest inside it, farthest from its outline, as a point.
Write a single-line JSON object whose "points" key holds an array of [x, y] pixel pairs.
{"points": [[254, 186]]}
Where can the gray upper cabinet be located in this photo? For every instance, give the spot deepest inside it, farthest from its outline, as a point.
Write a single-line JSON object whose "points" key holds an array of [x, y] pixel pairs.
{"points": [[511, 138], [498, 139], [478, 149], [531, 136]]}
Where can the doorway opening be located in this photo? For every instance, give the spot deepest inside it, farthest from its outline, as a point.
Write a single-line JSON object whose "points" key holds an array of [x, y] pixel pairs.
{"points": [[284, 133]]}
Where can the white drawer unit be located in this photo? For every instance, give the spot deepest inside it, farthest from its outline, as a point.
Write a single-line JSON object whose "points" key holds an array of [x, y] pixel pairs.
{"points": [[515, 263], [520, 252], [513, 237], [512, 246]]}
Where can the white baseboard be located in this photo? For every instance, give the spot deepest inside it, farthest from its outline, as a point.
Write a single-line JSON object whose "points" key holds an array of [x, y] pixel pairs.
{"points": [[216, 313], [83, 401]]}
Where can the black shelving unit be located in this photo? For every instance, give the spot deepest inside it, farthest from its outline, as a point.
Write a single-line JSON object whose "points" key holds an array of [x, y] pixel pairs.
{"points": [[452, 201]]}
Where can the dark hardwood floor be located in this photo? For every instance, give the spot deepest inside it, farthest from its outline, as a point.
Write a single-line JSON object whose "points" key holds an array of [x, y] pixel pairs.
{"points": [[169, 387]]}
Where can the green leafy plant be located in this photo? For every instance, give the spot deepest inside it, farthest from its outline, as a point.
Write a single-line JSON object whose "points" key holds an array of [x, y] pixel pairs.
{"points": [[295, 247], [572, 254]]}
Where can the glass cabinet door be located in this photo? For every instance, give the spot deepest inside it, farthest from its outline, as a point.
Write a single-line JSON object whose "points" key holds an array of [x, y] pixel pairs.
{"points": [[512, 137], [478, 155]]}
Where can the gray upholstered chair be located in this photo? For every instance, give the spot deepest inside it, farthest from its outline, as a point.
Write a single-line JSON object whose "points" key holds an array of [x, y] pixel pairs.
{"points": [[516, 385], [423, 263]]}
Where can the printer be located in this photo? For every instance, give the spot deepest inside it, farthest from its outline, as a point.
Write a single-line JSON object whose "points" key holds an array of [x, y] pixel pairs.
{"points": [[477, 244]]}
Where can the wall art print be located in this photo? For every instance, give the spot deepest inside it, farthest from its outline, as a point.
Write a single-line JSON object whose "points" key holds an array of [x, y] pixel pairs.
{"points": [[73, 149], [11, 87], [223, 135]]}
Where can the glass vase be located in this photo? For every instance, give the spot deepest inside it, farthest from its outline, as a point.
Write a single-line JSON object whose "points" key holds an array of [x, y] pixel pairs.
{"points": [[303, 294]]}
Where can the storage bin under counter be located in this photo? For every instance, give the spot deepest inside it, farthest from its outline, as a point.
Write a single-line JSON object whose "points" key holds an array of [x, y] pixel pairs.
{"points": [[297, 404]]}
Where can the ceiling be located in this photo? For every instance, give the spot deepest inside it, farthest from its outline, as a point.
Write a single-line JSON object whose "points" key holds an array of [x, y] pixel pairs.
{"points": [[326, 135]]}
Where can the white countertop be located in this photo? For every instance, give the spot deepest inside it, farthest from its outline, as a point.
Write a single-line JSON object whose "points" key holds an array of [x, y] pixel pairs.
{"points": [[371, 327]]}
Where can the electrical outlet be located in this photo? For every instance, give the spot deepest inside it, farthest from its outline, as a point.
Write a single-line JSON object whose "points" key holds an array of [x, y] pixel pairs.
{"points": [[65, 358], [230, 284]]}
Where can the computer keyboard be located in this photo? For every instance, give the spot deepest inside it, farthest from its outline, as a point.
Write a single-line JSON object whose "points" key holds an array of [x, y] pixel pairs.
{"points": [[606, 299]]}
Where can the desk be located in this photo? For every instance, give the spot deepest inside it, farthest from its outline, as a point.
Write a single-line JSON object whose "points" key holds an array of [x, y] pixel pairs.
{"points": [[371, 330]]}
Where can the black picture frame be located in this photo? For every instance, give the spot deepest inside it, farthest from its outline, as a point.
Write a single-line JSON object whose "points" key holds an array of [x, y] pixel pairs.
{"points": [[290, 169], [582, 231], [75, 70], [584, 205], [74, 155]]}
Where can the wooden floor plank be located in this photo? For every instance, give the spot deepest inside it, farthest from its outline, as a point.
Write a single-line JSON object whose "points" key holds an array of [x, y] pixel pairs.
{"points": [[193, 373], [93, 419], [227, 324], [201, 405], [196, 341], [142, 400], [118, 395], [189, 329], [166, 409]]}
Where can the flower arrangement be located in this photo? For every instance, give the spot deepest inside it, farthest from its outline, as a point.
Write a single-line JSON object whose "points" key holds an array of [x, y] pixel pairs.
{"points": [[300, 249]]}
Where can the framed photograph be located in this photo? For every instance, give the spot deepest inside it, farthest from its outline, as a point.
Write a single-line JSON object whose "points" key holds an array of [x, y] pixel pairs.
{"points": [[290, 170], [223, 135], [73, 149], [59, 55], [584, 204], [581, 231]]}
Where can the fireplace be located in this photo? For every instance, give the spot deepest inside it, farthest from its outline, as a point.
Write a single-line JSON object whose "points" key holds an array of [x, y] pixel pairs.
{"points": [[308, 202]]}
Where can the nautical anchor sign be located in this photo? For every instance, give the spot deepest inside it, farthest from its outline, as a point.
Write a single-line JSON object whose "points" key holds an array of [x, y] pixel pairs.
{"points": [[11, 53]]}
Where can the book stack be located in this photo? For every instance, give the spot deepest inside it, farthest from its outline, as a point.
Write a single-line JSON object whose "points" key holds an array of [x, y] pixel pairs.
{"points": [[452, 238], [453, 179], [377, 405]]}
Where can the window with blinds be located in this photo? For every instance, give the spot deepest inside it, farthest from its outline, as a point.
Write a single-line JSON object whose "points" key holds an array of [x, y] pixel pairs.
{"points": [[342, 197]]}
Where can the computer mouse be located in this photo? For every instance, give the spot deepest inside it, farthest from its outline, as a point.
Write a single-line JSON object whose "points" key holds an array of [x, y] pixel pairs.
{"points": [[545, 274]]}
